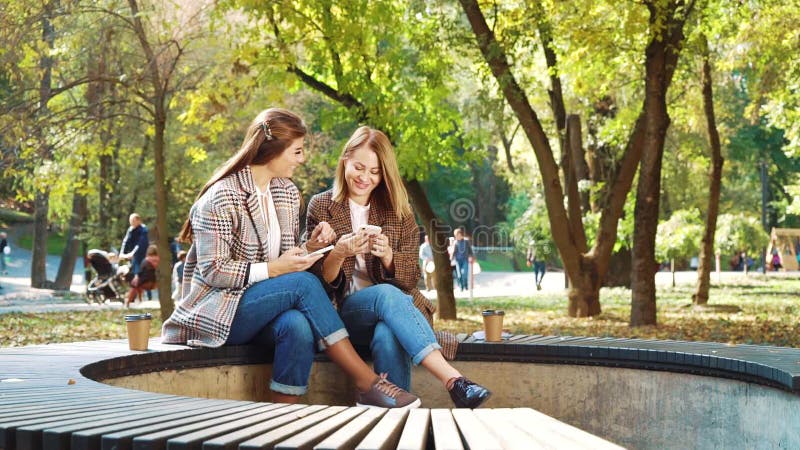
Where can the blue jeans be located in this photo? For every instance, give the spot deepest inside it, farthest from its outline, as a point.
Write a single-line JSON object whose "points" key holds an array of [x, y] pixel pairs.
{"points": [[385, 318], [292, 313], [463, 274], [538, 271]]}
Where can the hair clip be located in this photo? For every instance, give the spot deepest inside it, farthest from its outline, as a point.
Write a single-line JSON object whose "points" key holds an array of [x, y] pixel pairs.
{"points": [[267, 131]]}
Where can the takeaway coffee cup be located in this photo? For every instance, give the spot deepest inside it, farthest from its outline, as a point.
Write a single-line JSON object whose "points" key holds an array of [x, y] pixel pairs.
{"points": [[138, 330], [493, 324]]}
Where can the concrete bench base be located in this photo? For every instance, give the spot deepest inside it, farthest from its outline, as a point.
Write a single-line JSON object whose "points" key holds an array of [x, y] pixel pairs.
{"points": [[628, 406]]}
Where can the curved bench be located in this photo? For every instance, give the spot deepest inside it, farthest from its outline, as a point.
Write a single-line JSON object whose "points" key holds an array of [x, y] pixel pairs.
{"points": [[639, 393]]}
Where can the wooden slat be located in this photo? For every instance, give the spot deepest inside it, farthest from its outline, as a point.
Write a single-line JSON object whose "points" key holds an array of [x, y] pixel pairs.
{"points": [[351, 434], [46, 407], [230, 441], [475, 433], [386, 433], [9, 430], [123, 440], [269, 439], [158, 440], [511, 437], [31, 437], [445, 432], [305, 440], [531, 419], [89, 438], [59, 437], [194, 440], [415, 433]]}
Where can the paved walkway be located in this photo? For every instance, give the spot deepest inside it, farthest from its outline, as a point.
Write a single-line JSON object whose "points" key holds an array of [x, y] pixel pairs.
{"points": [[17, 295]]}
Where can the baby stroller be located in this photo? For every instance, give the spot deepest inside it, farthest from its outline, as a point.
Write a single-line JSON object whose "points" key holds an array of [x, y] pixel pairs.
{"points": [[110, 283]]}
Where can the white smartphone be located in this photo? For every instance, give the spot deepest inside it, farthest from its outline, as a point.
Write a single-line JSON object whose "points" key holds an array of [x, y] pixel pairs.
{"points": [[321, 251], [371, 229]]}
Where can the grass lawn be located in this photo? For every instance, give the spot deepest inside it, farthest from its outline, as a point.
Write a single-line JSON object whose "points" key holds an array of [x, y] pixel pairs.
{"points": [[757, 311], [762, 311], [56, 242]]}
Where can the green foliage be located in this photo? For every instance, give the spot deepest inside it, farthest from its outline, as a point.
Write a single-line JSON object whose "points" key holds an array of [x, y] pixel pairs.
{"points": [[55, 243], [679, 236], [739, 233], [532, 229]]}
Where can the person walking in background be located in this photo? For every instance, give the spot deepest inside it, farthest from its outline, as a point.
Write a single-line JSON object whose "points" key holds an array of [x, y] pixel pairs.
{"points": [[462, 254], [373, 271], [134, 246], [146, 278], [4, 250], [177, 276], [538, 265], [246, 273], [426, 255]]}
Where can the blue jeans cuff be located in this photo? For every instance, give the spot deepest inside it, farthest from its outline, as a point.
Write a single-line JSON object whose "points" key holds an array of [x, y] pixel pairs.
{"points": [[286, 389], [417, 359], [332, 338]]}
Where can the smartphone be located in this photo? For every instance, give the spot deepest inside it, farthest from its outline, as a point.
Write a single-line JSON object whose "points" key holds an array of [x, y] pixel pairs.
{"points": [[321, 251], [370, 229]]}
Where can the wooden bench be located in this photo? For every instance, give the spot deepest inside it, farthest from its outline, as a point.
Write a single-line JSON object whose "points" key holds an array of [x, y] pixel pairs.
{"points": [[49, 398]]}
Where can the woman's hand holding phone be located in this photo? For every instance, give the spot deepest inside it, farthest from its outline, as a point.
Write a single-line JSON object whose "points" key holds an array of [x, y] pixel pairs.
{"points": [[352, 244], [293, 260]]}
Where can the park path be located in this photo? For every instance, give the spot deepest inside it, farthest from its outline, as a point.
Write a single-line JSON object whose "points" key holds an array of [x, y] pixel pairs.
{"points": [[18, 296]]}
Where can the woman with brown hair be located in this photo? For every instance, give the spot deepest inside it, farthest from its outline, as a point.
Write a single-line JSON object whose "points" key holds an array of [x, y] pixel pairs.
{"points": [[373, 269], [244, 276]]}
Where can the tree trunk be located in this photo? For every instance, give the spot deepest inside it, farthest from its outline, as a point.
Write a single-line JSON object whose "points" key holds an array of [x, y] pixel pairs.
{"points": [[438, 234], [71, 251], [585, 270], [42, 198], [584, 294], [164, 267], [661, 59], [41, 204], [619, 269], [700, 296]]}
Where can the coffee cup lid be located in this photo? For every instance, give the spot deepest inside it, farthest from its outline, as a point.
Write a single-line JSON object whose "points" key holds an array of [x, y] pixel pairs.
{"points": [[493, 312], [135, 317]]}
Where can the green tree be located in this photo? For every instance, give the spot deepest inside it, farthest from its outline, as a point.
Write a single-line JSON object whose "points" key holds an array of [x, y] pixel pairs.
{"points": [[679, 237], [586, 267]]}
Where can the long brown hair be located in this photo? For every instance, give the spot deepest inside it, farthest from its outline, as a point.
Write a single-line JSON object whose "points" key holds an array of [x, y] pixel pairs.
{"points": [[390, 191], [269, 134]]}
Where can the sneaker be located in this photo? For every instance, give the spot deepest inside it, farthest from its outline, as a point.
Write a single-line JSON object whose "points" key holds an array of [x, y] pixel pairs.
{"points": [[467, 394], [384, 394]]}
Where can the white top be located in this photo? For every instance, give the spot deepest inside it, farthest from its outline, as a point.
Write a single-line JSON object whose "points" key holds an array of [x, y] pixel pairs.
{"points": [[260, 271], [359, 215]]}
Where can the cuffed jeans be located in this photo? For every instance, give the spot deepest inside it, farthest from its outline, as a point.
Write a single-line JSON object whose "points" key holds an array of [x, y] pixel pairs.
{"points": [[292, 313], [385, 318]]}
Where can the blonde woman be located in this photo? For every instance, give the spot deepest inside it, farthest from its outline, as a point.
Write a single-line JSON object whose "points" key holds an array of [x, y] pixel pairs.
{"points": [[373, 269], [245, 278]]}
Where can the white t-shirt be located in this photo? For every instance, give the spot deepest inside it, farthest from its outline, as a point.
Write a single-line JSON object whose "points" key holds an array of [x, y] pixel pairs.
{"points": [[359, 215]]}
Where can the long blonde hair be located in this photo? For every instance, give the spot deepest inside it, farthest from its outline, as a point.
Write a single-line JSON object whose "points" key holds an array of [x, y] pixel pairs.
{"points": [[269, 134], [390, 192]]}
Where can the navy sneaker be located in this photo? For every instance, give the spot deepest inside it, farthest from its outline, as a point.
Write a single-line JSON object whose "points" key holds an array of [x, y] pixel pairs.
{"points": [[467, 394]]}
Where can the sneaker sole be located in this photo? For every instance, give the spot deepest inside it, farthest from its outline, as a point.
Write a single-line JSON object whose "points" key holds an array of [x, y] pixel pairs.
{"points": [[413, 405]]}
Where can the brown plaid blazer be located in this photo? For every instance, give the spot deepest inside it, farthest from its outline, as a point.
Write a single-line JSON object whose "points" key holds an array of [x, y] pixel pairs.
{"points": [[404, 239], [229, 234]]}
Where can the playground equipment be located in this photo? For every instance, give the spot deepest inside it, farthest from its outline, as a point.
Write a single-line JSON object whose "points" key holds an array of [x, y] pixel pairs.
{"points": [[785, 241]]}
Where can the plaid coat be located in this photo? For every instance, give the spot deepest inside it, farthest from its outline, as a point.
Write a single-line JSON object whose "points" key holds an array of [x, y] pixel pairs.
{"points": [[404, 239], [229, 234]]}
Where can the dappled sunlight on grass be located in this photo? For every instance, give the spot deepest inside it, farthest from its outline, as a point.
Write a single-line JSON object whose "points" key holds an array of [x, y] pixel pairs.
{"points": [[757, 311]]}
